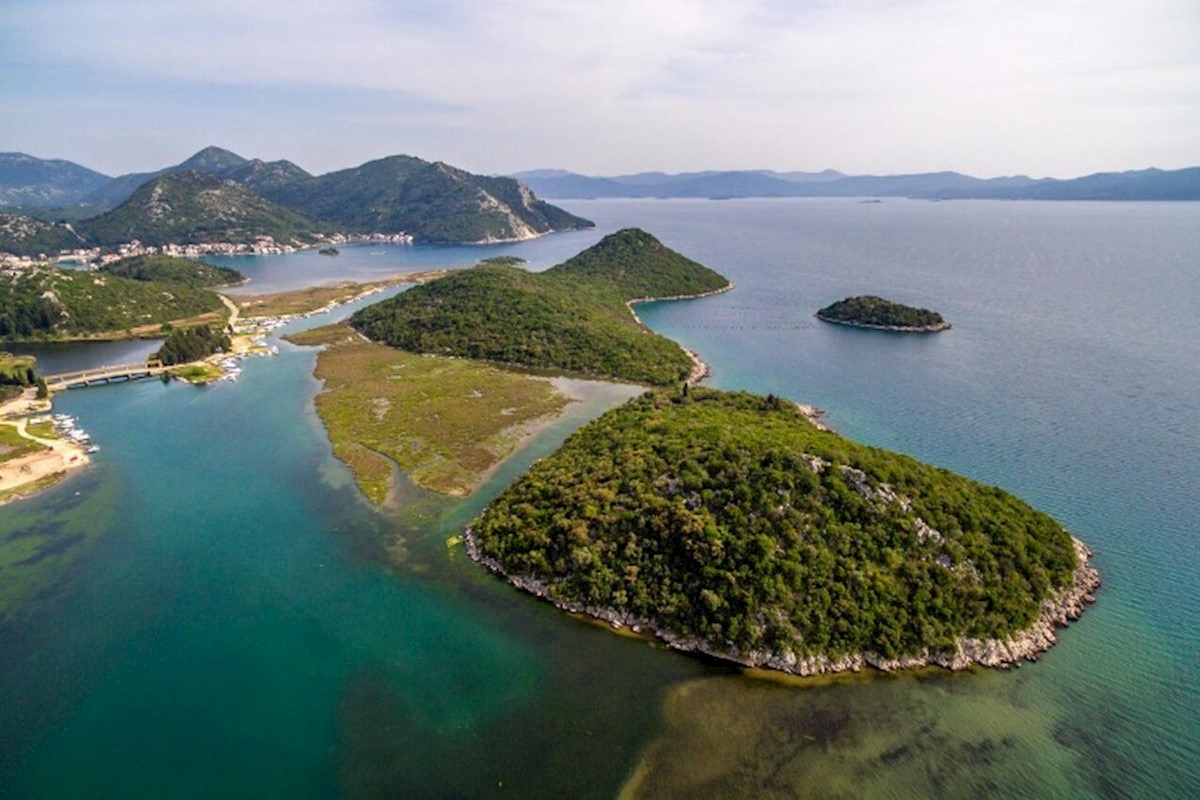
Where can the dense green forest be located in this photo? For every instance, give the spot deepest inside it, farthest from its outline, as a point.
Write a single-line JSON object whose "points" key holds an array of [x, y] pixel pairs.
{"points": [[185, 345], [172, 269], [572, 317], [638, 265], [731, 518], [875, 311], [46, 303]]}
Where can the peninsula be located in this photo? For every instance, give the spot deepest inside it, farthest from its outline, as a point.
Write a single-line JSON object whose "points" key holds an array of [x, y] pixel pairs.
{"points": [[868, 311], [574, 317], [727, 524]]}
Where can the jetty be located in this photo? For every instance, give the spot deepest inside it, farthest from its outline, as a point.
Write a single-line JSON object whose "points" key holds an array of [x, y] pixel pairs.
{"points": [[111, 373]]}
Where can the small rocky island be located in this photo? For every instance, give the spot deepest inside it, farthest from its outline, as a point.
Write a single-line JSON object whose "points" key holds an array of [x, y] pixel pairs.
{"points": [[727, 524], [868, 311]]}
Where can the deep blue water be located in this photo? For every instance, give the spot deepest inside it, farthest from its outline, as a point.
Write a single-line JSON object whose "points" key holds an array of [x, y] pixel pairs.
{"points": [[231, 630]]}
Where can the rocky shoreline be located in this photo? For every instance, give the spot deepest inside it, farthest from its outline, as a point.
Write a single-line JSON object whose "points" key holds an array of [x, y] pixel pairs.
{"points": [[936, 328], [1057, 611], [699, 366], [631, 303]]}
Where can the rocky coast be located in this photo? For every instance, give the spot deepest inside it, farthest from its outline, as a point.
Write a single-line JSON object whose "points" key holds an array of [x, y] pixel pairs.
{"points": [[935, 328], [1057, 611], [699, 366]]}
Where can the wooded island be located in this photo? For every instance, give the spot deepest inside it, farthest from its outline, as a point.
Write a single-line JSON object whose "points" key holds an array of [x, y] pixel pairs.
{"points": [[868, 311]]}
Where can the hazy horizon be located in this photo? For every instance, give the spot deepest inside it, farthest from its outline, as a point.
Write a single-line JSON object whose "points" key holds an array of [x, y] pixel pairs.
{"points": [[700, 170]]}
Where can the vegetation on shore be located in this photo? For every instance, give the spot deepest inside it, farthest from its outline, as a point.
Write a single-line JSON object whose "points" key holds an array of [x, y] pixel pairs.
{"points": [[573, 317], [173, 269], [50, 303], [184, 345], [731, 519], [869, 311], [445, 422]]}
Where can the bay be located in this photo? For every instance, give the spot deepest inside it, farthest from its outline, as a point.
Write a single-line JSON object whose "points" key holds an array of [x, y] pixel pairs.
{"points": [[232, 628]]}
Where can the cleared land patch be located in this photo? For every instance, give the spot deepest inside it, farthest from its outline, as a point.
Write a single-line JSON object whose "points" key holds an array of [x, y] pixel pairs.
{"points": [[313, 298]]}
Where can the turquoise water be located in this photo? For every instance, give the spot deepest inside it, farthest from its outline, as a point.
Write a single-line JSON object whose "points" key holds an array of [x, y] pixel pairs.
{"points": [[233, 630]]}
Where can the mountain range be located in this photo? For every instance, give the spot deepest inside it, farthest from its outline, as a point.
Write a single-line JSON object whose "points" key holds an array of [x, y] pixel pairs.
{"points": [[219, 196], [1147, 184]]}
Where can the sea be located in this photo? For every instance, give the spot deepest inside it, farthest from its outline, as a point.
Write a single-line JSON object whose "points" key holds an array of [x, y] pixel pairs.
{"points": [[214, 611]]}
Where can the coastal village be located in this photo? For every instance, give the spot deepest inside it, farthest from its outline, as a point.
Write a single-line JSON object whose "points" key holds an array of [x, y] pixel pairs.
{"points": [[94, 257]]}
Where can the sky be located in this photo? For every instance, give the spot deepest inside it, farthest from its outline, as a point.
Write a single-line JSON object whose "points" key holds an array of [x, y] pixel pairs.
{"points": [[1039, 87]]}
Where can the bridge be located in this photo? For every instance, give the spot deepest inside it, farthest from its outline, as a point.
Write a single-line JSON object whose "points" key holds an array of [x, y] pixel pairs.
{"points": [[111, 373]]}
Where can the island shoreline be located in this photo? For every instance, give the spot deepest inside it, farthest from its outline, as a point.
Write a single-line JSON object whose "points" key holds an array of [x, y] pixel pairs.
{"points": [[700, 369], [1065, 605], [937, 328]]}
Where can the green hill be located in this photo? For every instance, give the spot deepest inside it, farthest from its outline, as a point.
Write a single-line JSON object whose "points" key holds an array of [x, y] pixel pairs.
{"points": [[49, 303], [194, 207], [728, 523], [868, 311], [432, 201], [640, 266], [572, 317], [173, 269]]}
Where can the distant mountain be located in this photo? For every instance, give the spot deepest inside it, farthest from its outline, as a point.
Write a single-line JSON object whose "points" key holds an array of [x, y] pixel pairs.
{"points": [[25, 236], [1151, 184], [261, 176], [228, 198], [211, 160], [434, 202], [190, 207], [824, 176], [737, 183], [564, 185], [35, 182], [1147, 184]]}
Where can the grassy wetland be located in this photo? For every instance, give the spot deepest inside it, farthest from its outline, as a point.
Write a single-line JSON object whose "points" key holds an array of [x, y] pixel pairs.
{"points": [[445, 422]]}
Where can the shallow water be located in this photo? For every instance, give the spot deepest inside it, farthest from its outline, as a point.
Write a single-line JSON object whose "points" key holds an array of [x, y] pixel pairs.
{"points": [[232, 628]]}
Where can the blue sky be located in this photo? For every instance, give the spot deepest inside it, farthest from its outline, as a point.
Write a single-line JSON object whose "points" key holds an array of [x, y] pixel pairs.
{"points": [[1041, 87]]}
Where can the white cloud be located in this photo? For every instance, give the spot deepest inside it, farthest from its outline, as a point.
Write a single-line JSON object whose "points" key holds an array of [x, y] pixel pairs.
{"points": [[624, 84]]}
